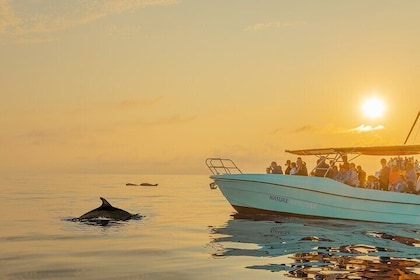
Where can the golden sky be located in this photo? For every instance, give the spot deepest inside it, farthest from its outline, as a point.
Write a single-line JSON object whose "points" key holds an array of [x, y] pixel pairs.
{"points": [[157, 86]]}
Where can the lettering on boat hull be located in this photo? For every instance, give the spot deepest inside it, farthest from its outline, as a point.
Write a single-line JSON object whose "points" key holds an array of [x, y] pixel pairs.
{"points": [[295, 202], [278, 198]]}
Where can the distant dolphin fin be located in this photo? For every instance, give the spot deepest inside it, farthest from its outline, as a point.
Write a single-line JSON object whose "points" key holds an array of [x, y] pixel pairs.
{"points": [[105, 203]]}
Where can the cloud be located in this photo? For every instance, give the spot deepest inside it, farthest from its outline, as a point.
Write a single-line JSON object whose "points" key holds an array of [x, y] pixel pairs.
{"points": [[41, 136], [136, 103], [172, 119], [8, 18], [125, 5], [327, 129], [365, 128], [50, 16], [332, 129], [303, 128], [270, 25], [122, 105]]}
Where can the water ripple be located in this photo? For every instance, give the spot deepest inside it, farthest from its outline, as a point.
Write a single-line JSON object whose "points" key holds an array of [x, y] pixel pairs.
{"points": [[322, 249]]}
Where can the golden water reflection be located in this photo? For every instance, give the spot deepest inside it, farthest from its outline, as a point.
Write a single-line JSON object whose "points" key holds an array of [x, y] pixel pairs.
{"points": [[319, 249]]}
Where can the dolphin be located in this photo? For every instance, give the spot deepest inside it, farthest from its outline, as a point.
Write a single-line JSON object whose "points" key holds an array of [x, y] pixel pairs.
{"points": [[148, 185], [142, 184], [106, 210]]}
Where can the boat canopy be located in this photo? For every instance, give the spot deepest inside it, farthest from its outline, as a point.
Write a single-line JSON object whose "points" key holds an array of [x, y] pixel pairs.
{"points": [[371, 151]]}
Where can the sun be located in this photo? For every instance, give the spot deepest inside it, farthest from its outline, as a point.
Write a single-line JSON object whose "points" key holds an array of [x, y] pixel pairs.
{"points": [[373, 107]]}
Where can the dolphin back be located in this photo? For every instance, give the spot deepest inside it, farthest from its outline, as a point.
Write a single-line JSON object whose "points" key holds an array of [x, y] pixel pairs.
{"points": [[106, 210]]}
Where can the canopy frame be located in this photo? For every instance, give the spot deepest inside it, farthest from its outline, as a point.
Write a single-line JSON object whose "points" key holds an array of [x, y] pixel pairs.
{"points": [[338, 155], [398, 150]]}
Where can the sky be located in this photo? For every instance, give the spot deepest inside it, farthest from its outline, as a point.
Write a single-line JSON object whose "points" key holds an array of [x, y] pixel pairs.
{"points": [[158, 86]]}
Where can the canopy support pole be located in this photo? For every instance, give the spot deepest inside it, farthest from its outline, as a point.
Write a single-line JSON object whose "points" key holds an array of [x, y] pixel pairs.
{"points": [[418, 115]]}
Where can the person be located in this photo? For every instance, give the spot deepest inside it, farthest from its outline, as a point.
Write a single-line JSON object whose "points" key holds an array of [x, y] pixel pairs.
{"points": [[401, 184], [393, 176], [411, 177], [333, 172], [288, 168], [384, 175], [301, 169], [351, 177], [341, 175], [274, 169], [362, 176], [292, 168], [345, 160], [372, 182]]}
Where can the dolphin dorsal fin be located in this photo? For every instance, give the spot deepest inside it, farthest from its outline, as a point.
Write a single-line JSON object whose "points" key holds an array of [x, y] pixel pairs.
{"points": [[105, 203]]}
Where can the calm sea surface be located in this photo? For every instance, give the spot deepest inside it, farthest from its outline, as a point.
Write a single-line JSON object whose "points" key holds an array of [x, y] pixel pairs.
{"points": [[189, 232]]}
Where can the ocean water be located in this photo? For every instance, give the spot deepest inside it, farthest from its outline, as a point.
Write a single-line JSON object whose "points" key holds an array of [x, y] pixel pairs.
{"points": [[188, 232]]}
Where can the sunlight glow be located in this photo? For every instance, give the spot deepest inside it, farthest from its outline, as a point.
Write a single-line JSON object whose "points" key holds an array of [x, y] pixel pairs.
{"points": [[373, 107]]}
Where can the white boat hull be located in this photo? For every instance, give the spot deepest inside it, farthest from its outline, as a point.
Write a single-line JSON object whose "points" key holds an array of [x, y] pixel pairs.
{"points": [[316, 197]]}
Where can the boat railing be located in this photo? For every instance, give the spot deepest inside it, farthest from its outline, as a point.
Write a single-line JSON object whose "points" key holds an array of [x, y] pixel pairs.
{"points": [[220, 166]]}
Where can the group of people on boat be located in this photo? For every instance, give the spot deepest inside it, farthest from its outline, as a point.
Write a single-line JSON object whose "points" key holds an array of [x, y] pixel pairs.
{"points": [[292, 168], [397, 174]]}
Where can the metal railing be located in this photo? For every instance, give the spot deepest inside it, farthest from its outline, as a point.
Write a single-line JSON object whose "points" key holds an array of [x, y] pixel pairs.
{"points": [[220, 166]]}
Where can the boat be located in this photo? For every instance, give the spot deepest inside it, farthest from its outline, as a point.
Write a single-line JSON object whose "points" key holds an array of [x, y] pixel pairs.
{"points": [[316, 197]]}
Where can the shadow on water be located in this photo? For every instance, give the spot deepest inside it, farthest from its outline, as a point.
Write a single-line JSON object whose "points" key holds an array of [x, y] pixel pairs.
{"points": [[322, 249]]}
